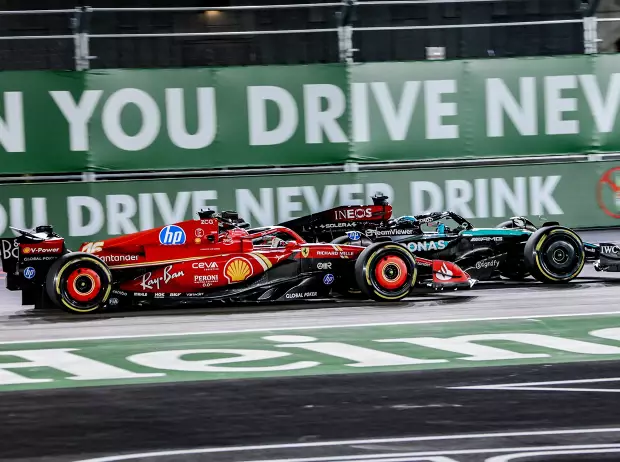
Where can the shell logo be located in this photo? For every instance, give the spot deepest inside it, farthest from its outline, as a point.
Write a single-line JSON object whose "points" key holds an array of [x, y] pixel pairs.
{"points": [[238, 269], [26, 250]]}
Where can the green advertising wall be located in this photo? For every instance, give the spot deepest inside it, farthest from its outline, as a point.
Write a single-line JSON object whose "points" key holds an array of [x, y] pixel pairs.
{"points": [[576, 194], [110, 120]]}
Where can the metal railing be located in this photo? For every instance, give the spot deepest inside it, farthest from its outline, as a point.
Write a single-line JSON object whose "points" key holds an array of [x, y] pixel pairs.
{"points": [[80, 18], [345, 29]]}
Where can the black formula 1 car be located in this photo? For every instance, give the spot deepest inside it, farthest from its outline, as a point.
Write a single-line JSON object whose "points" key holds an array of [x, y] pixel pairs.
{"points": [[212, 258], [514, 249]]}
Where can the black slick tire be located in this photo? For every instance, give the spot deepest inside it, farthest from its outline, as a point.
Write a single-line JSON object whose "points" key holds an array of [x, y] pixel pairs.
{"points": [[79, 283], [554, 254], [386, 272]]}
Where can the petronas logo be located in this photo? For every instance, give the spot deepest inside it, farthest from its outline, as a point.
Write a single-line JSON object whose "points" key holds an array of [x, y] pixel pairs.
{"points": [[238, 269]]}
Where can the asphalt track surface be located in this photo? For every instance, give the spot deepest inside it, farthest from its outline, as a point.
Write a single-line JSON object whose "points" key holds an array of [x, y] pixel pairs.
{"points": [[414, 416]]}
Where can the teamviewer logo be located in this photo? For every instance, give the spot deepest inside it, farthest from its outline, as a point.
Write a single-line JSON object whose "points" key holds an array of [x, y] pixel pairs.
{"points": [[172, 235]]}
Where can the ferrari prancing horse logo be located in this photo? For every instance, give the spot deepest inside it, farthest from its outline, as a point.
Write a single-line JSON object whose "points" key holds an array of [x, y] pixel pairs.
{"points": [[305, 251]]}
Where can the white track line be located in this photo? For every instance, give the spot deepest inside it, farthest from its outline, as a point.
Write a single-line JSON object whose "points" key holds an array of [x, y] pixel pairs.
{"points": [[407, 456], [350, 443], [315, 327]]}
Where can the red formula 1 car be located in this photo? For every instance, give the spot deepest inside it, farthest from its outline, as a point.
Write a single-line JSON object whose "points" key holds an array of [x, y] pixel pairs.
{"points": [[211, 258]]}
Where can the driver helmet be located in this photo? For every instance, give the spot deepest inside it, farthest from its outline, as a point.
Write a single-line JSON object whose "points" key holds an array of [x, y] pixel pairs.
{"points": [[407, 219], [441, 228]]}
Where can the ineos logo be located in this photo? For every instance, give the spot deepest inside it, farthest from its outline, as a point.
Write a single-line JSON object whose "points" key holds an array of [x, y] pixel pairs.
{"points": [[10, 249]]}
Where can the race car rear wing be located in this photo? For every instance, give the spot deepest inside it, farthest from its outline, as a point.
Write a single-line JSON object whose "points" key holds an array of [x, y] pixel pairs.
{"points": [[337, 220]]}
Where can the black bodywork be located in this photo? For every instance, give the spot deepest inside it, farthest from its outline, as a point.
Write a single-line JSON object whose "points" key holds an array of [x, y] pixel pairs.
{"points": [[484, 253]]}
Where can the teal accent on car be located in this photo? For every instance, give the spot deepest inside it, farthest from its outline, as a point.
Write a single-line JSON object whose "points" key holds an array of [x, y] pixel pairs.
{"points": [[496, 232]]}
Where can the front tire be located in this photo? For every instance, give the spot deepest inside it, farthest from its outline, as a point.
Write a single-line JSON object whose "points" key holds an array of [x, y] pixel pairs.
{"points": [[79, 283], [554, 254], [386, 272]]}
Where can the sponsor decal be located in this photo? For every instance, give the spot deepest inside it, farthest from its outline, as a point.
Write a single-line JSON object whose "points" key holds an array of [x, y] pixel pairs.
{"points": [[113, 301], [301, 294], [199, 232], [159, 295], [157, 283], [328, 253], [444, 273], [392, 232], [426, 219], [354, 235], [118, 258], [92, 247], [9, 250], [197, 241], [338, 225], [172, 235], [324, 266], [210, 221], [206, 278], [487, 264], [305, 251], [175, 294], [206, 265], [238, 269], [122, 293], [610, 249], [424, 246], [40, 258], [487, 239], [29, 272], [39, 250], [608, 192], [141, 294], [353, 213], [423, 262], [328, 279], [194, 294], [26, 250]]}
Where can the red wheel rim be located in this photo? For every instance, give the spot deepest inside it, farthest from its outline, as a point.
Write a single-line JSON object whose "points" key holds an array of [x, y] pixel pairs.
{"points": [[391, 272], [83, 285]]}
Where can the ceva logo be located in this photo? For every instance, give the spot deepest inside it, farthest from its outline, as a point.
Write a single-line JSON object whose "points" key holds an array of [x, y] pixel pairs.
{"points": [[171, 235]]}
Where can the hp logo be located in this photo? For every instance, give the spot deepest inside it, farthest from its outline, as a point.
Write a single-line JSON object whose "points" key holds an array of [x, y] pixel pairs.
{"points": [[328, 279], [172, 235], [29, 272], [354, 235]]}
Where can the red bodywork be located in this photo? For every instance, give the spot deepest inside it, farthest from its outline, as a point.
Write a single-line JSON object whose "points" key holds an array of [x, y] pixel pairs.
{"points": [[199, 256], [206, 258]]}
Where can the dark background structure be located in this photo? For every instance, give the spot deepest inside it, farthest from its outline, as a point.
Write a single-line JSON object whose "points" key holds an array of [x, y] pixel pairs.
{"points": [[322, 47]]}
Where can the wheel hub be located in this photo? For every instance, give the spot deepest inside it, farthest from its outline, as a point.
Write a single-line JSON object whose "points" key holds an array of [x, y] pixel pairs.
{"points": [[391, 272], [83, 285]]}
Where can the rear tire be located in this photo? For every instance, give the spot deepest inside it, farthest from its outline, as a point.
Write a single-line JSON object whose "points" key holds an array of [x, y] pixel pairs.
{"points": [[386, 272], [554, 254], [79, 283]]}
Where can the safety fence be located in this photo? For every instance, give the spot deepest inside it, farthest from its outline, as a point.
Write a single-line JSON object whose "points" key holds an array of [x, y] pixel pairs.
{"points": [[344, 27]]}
